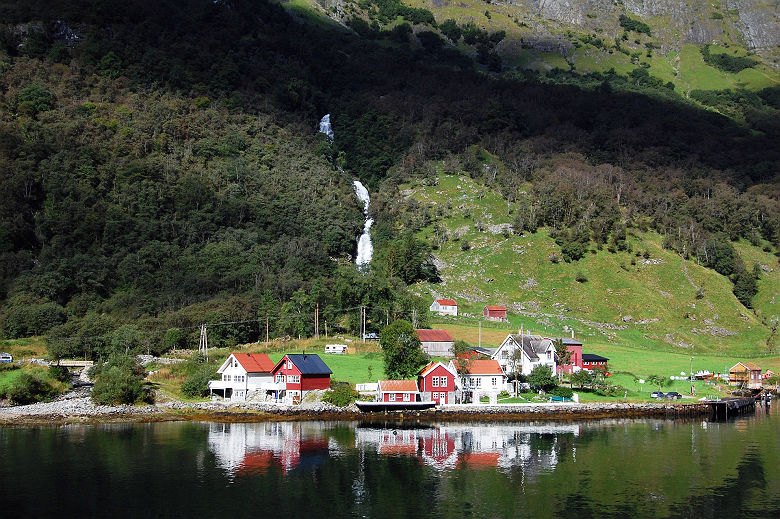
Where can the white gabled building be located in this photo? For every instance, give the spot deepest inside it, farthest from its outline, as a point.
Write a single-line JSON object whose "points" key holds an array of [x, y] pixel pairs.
{"points": [[536, 351], [243, 373], [444, 307], [481, 377]]}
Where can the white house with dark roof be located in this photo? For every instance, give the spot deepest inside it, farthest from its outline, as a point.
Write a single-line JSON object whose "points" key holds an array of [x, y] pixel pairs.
{"points": [[536, 351]]}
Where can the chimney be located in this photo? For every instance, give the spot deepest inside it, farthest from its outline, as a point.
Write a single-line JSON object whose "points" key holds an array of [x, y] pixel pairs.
{"points": [[572, 333]]}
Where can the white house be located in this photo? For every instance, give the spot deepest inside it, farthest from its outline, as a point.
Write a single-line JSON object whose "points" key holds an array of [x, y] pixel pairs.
{"points": [[481, 377], [536, 351], [444, 307], [243, 373]]}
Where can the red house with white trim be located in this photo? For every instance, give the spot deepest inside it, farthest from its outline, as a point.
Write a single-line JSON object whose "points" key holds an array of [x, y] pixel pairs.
{"points": [[297, 373], [494, 313], [437, 383], [397, 391], [591, 361]]}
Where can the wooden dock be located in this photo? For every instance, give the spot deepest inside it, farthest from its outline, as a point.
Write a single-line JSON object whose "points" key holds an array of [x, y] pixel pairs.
{"points": [[730, 407]]}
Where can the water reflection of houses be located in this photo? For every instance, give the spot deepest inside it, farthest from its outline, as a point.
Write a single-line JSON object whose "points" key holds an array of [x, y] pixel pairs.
{"points": [[252, 448], [495, 446]]}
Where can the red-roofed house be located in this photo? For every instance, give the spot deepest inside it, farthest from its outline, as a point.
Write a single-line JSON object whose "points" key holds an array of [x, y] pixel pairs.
{"points": [[397, 391], [445, 307], [436, 343], [494, 313], [480, 378], [437, 383], [242, 373]]}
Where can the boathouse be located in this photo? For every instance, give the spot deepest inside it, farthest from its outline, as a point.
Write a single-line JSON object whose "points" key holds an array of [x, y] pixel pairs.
{"points": [[745, 374], [397, 391]]}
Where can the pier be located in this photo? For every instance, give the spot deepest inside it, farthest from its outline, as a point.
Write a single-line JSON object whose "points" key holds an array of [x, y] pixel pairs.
{"points": [[728, 407]]}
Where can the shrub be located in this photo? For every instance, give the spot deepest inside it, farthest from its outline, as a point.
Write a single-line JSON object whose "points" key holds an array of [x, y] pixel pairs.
{"points": [[60, 373], [541, 377], [630, 24], [580, 277], [561, 391], [119, 380], [465, 245], [30, 388], [197, 382], [341, 395], [34, 99]]}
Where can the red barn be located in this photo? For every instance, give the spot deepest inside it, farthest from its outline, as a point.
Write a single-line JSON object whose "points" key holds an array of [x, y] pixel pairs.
{"points": [[575, 363], [437, 383], [494, 313], [297, 373], [397, 391]]}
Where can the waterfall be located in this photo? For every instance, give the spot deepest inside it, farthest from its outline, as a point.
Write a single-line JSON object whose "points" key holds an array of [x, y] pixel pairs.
{"points": [[365, 249], [325, 127]]}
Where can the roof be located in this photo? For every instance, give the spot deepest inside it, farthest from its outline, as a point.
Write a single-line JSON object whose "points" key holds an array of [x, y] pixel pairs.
{"points": [[749, 365], [308, 363], [448, 302], [570, 342], [532, 345], [398, 386], [430, 367], [434, 336], [484, 367], [592, 357], [254, 362], [492, 308]]}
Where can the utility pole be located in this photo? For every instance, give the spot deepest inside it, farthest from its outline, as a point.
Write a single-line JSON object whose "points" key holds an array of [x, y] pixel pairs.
{"points": [[266, 329], [414, 318], [480, 334], [317, 321], [203, 344]]}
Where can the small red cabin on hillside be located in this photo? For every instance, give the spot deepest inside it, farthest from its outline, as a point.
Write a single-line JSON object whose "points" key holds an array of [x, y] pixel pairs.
{"points": [[297, 373], [494, 313], [437, 383]]}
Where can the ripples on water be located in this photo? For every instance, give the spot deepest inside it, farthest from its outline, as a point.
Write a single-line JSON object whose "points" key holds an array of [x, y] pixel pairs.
{"points": [[615, 468]]}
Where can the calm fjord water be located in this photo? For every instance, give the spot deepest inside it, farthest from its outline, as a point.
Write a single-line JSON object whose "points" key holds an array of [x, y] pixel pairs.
{"points": [[615, 468]]}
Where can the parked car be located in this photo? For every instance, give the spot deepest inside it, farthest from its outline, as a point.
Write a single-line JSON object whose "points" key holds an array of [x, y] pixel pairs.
{"points": [[657, 394], [671, 395]]}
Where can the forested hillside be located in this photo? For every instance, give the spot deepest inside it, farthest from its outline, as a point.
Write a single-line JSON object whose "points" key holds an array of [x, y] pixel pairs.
{"points": [[159, 166]]}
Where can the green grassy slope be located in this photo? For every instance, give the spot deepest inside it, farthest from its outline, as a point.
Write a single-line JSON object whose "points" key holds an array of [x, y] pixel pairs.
{"points": [[645, 303]]}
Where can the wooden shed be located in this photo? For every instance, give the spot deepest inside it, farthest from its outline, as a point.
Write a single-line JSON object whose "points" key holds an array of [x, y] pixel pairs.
{"points": [[745, 374]]}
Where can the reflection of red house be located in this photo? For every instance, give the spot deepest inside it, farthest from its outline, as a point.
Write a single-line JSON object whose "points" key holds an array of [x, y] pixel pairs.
{"points": [[494, 313], [575, 363], [438, 449], [401, 442], [257, 462], [480, 460]]}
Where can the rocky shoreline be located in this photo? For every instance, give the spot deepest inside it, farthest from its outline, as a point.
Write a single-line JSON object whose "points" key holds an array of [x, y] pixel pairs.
{"points": [[76, 407]]}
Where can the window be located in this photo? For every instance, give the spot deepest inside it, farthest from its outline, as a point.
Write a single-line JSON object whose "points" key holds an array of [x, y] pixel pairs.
{"points": [[479, 382], [392, 397], [435, 381], [407, 396], [493, 380], [504, 354], [442, 382], [279, 378], [294, 379], [434, 396]]}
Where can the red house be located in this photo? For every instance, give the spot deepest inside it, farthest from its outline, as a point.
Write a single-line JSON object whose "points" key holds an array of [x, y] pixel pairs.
{"points": [[297, 373], [591, 361], [494, 313], [437, 383], [575, 363], [397, 391]]}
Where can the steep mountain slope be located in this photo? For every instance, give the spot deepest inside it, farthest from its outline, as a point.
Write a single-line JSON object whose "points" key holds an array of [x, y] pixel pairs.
{"points": [[600, 35], [645, 296]]}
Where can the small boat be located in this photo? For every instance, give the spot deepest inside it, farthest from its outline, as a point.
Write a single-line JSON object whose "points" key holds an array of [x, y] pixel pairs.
{"points": [[372, 407]]}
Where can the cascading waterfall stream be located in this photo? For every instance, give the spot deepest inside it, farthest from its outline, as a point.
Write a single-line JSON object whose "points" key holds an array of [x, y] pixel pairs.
{"points": [[365, 249]]}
